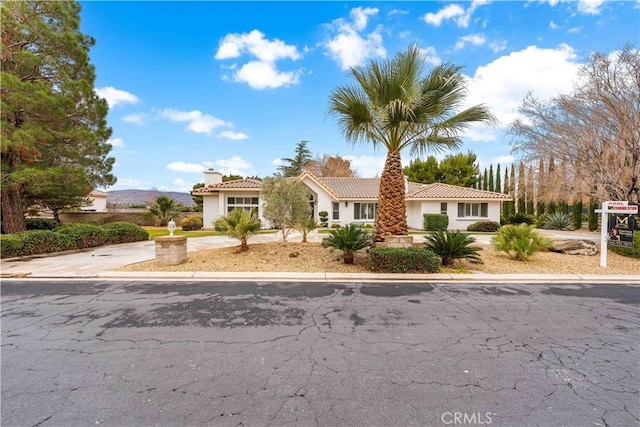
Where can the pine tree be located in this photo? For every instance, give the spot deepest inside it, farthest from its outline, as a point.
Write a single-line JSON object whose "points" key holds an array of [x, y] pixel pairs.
{"points": [[491, 186], [51, 118], [295, 166], [498, 187]]}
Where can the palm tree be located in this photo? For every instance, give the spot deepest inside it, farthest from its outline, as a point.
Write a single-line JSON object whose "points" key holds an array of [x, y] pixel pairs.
{"points": [[239, 224], [394, 106], [163, 209]]}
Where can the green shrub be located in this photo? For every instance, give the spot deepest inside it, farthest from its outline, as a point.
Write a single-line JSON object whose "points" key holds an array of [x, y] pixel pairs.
{"points": [[124, 232], [484, 226], [403, 260], [43, 241], [520, 218], [348, 239], [83, 234], [519, 242], [40, 224], [556, 221], [453, 245], [592, 215], [324, 218], [191, 223], [634, 251], [10, 245], [577, 214], [436, 222], [335, 225], [367, 225]]}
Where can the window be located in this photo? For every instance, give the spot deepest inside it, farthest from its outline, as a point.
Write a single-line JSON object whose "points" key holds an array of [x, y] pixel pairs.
{"points": [[479, 210], [335, 210], [443, 208], [364, 211], [245, 203]]}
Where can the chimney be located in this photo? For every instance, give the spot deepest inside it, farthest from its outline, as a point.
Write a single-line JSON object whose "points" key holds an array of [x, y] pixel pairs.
{"points": [[212, 177]]}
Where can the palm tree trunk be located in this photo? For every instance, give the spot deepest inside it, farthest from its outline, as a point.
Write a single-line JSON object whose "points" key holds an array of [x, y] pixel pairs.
{"points": [[391, 216], [347, 256]]}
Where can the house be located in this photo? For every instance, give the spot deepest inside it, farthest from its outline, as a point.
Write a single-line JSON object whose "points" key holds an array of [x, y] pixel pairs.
{"points": [[351, 200], [98, 201]]}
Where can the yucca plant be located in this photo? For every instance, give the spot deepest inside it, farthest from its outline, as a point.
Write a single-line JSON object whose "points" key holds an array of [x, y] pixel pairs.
{"points": [[556, 221], [348, 239], [519, 242], [520, 218], [451, 246], [239, 224]]}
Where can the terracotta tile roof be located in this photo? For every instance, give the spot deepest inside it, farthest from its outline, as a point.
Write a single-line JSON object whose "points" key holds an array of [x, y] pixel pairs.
{"points": [[442, 191], [238, 183], [368, 188]]}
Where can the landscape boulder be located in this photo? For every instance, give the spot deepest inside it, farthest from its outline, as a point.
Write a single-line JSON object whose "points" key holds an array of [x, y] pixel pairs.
{"points": [[575, 247]]}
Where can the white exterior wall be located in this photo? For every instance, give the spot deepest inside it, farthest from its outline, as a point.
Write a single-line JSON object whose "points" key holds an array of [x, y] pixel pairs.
{"points": [[210, 210], [98, 204], [415, 220], [323, 199]]}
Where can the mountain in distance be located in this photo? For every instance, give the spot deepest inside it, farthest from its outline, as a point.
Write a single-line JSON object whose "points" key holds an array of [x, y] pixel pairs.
{"points": [[141, 197]]}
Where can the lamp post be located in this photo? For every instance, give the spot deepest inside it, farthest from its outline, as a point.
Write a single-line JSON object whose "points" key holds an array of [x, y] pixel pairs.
{"points": [[171, 226]]}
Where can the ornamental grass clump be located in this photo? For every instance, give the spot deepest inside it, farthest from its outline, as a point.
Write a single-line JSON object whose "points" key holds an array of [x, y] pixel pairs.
{"points": [[451, 246], [519, 242]]}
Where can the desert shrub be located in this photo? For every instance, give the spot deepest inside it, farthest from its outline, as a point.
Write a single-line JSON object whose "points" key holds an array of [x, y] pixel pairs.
{"points": [[556, 221], [453, 245], [191, 223], [634, 251], [520, 218], [10, 245], [519, 242], [348, 239], [40, 223], [83, 234], [435, 222], [484, 226], [403, 260], [124, 232], [43, 241]]}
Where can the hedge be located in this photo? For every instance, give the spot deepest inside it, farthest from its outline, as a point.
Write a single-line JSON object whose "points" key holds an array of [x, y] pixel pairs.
{"points": [[191, 223], [124, 232], [84, 235], [435, 222], [484, 226], [403, 260]]}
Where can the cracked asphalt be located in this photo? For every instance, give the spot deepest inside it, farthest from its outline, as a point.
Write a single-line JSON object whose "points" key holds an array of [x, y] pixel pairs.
{"points": [[135, 353]]}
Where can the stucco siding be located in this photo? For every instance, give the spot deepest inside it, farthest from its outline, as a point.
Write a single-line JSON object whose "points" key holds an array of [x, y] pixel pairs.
{"points": [[210, 210]]}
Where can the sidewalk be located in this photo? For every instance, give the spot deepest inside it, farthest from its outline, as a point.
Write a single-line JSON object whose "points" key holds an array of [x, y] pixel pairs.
{"points": [[99, 263]]}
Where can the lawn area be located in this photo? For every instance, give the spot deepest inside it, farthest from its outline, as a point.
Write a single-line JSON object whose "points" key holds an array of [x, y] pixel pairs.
{"points": [[162, 231]]}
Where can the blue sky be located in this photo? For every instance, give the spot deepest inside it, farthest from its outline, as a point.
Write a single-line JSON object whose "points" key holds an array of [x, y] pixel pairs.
{"points": [[235, 85]]}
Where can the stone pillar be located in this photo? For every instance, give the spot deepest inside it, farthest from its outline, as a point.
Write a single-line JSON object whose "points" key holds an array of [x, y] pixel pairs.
{"points": [[171, 250], [396, 241]]}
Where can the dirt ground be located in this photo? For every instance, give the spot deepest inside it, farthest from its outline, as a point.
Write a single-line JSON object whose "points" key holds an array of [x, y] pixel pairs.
{"points": [[311, 257]]}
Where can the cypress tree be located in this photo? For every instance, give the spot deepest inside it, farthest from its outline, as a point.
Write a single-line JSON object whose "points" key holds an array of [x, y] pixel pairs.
{"points": [[521, 189], [491, 186], [485, 180], [593, 217], [577, 212], [541, 189], [498, 187], [529, 191]]}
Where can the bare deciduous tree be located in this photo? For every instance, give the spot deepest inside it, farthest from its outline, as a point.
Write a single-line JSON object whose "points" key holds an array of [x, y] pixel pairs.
{"points": [[594, 132], [333, 166]]}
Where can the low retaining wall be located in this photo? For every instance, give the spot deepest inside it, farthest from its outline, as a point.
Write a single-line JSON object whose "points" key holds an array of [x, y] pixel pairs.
{"points": [[101, 218]]}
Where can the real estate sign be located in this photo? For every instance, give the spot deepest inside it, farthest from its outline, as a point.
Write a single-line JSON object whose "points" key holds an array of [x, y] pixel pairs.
{"points": [[621, 229]]}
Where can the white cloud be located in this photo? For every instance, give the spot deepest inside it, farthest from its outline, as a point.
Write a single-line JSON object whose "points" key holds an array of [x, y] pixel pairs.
{"points": [[116, 96], [553, 25], [276, 162], [349, 46], [498, 46], [116, 142], [138, 118], [590, 7], [503, 83], [474, 39], [502, 160], [264, 75], [574, 30], [180, 185], [367, 166], [234, 166], [198, 122], [431, 55], [227, 134], [131, 183], [263, 72], [454, 12], [185, 167]]}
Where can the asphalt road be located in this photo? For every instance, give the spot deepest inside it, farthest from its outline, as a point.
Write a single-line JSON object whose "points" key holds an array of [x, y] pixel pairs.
{"points": [[194, 353]]}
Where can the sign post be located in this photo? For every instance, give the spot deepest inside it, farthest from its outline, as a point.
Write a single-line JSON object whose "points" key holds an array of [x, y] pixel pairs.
{"points": [[612, 207]]}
